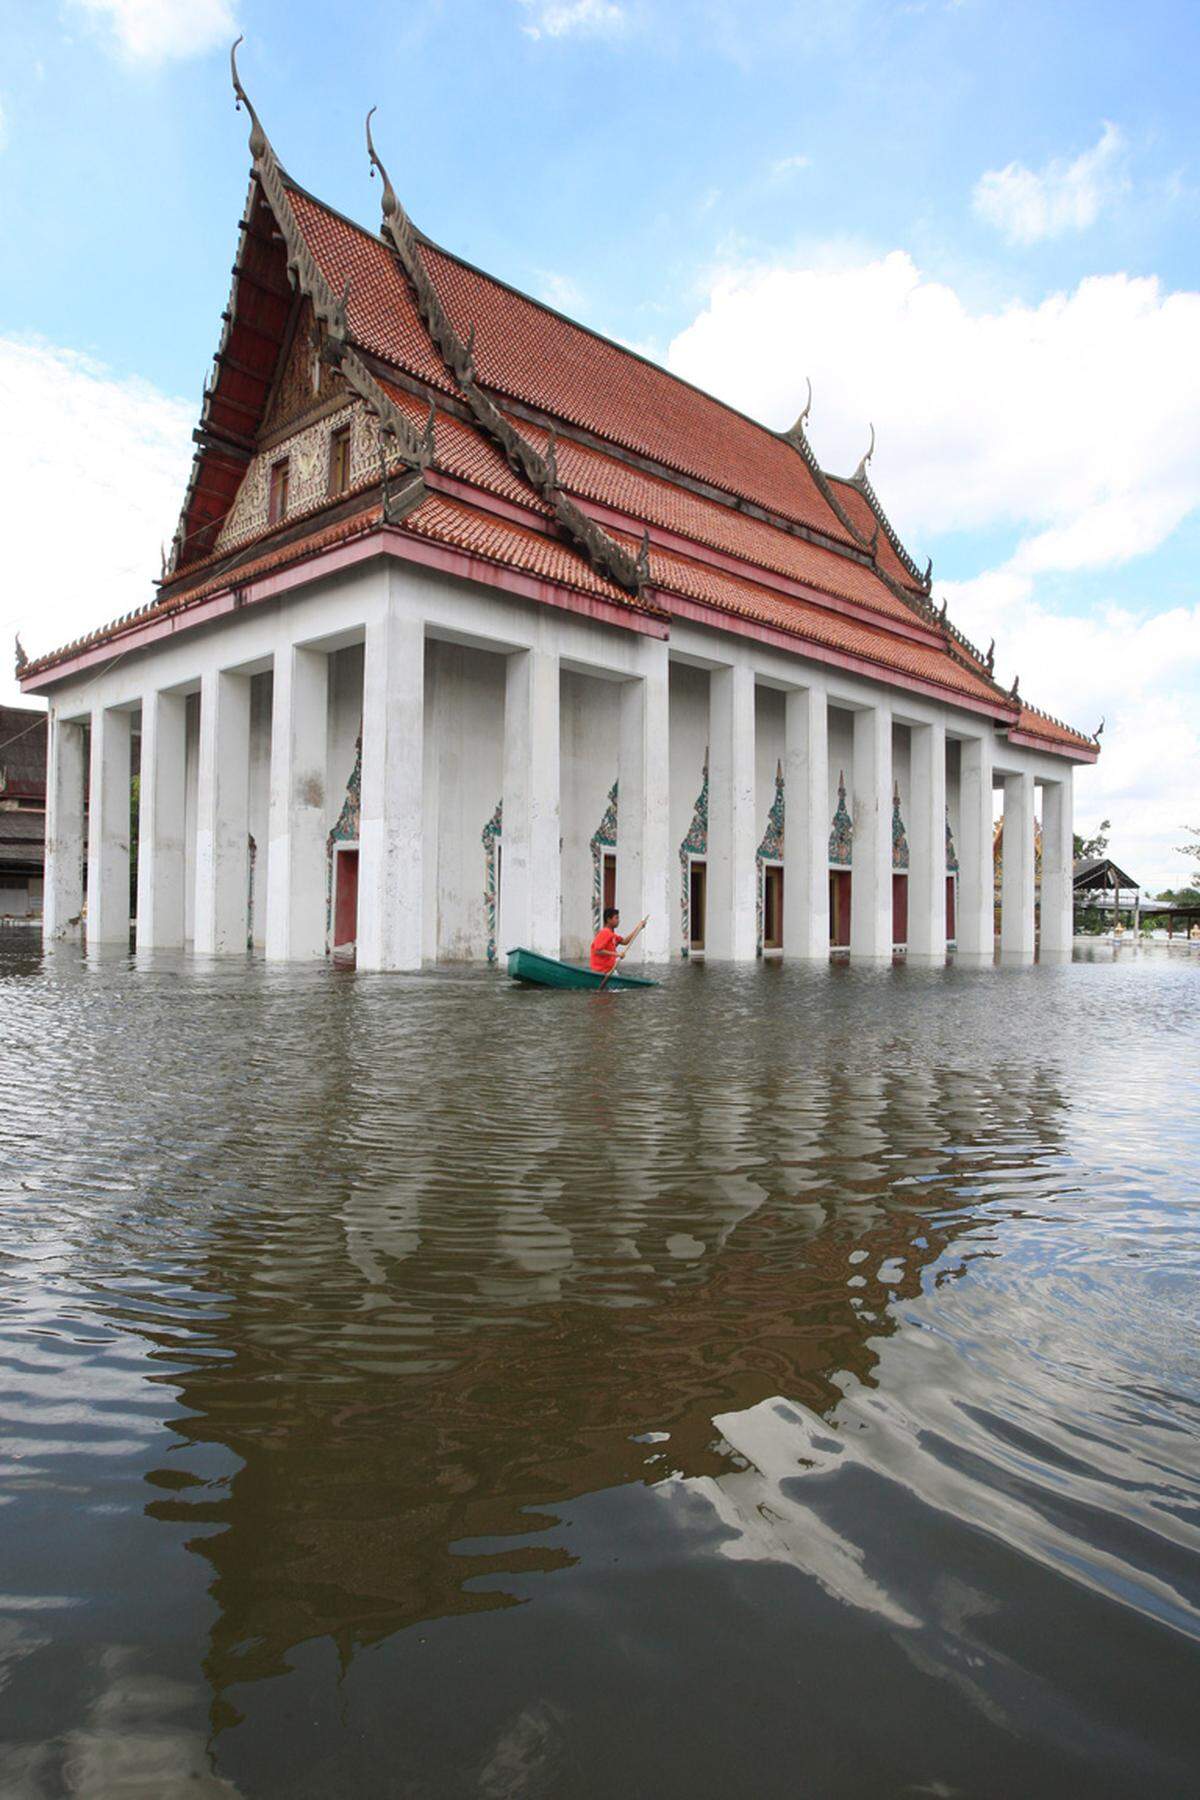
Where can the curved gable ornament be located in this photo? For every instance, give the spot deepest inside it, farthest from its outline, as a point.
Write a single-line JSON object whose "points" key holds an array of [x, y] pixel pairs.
{"points": [[899, 835], [841, 837]]}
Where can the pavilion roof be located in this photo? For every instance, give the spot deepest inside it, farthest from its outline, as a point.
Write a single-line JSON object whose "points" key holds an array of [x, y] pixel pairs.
{"points": [[531, 443], [1102, 872]]}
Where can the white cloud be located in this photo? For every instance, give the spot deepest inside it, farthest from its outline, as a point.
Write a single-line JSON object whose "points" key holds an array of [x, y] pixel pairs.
{"points": [[790, 165], [155, 31], [93, 470], [560, 292], [1028, 206], [1073, 424], [564, 18]]}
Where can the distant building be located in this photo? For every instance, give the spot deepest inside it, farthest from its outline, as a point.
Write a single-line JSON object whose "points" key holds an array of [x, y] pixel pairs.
{"points": [[22, 811], [474, 619]]}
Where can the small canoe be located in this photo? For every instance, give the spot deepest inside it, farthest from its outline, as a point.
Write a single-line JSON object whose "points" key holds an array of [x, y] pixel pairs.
{"points": [[543, 971]]}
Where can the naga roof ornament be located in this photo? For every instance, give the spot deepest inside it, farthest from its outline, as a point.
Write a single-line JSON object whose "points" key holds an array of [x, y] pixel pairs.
{"points": [[860, 474], [538, 469]]}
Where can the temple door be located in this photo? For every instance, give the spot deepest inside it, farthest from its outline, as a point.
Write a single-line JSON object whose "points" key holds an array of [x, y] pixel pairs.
{"points": [[899, 909], [697, 902], [839, 908], [345, 899], [609, 880], [951, 923]]}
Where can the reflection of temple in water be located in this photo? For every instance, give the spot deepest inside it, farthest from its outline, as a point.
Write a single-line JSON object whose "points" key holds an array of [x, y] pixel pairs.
{"points": [[447, 1354]]}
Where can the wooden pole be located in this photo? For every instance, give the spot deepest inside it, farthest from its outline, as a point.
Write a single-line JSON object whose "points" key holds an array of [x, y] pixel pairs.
{"points": [[629, 940]]}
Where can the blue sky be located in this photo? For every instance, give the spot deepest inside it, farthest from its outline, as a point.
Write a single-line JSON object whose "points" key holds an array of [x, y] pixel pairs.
{"points": [[973, 224]]}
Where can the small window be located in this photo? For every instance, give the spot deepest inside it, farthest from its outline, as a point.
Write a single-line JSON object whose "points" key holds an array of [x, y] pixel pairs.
{"points": [[277, 505], [339, 461]]}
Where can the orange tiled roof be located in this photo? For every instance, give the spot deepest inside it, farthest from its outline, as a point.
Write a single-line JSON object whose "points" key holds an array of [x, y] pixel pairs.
{"points": [[1041, 725], [861, 513], [804, 619]]}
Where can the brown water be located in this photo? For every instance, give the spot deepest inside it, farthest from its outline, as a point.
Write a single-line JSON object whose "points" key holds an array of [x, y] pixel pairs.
{"points": [[785, 1383]]}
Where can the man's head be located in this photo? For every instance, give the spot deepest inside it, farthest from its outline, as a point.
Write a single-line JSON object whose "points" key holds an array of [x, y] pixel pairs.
{"points": [[612, 917]]}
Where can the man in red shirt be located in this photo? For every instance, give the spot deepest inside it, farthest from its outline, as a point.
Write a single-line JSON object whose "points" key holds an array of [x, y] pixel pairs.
{"points": [[605, 955]]}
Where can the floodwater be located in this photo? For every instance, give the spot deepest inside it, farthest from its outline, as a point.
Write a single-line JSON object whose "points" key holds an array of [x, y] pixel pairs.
{"points": [[786, 1383]]}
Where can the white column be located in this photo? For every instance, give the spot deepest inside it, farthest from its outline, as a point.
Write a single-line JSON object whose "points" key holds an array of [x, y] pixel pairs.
{"points": [[1058, 869], [1017, 881], [976, 905], [806, 825], [62, 902], [731, 931], [296, 866], [927, 842], [530, 865], [160, 876], [391, 881], [871, 884], [108, 828], [223, 816], [643, 805]]}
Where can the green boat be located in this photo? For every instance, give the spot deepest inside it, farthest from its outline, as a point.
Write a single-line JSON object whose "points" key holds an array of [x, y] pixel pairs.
{"points": [[543, 971]]}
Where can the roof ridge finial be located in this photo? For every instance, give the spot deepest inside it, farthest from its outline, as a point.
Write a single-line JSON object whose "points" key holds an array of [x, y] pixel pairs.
{"points": [[797, 429], [860, 474], [21, 661], [259, 142], [389, 203]]}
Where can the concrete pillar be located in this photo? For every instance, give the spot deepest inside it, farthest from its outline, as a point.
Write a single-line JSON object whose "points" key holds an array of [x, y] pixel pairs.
{"points": [[160, 876], [296, 870], [871, 886], [643, 805], [223, 816], [1017, 881], [108, 828], [806, 825], [732, 927], [1058, 869], [926, 825], [391, 881], [530, 866], [62, 899], [975, 924]]}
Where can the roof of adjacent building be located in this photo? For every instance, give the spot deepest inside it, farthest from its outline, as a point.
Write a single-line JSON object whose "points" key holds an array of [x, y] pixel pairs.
{"points": [[535, 448], [22, 752]]}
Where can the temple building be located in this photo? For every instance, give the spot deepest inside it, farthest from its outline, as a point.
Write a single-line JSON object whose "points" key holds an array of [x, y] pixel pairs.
{"points": [[474, 621]]}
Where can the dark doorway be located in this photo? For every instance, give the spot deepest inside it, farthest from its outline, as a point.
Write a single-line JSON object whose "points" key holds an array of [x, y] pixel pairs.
{"points": [[839, 908], [345, 900], [772, 907], [697, 904], [951, 921], [899, 909], [609, 879]]}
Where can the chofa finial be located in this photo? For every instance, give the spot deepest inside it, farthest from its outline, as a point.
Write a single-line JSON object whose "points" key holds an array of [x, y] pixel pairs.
{"points": [[802, 421], [258, 137], [1097, 734], [20, 660], [389, 202], [990, 658], [1014, 692], [860, 474]]}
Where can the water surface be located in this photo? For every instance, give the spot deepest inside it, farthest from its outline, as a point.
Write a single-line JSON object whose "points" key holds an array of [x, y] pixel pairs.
{"points": [[785, 1383]]}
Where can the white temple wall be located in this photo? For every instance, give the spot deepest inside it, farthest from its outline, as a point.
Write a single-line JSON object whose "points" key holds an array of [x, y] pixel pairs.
{"points": [[589, 742], [191, 790], [841, 754], [261, 694], [464, 725], [688, 751]]}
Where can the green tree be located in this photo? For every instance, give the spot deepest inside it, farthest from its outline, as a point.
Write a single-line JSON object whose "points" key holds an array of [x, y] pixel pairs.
{"points": [[1087, 848], [1192, 850]]}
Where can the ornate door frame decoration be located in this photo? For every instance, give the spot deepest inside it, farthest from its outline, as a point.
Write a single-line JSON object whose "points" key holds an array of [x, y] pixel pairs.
{"points": [[841, 837], [490, 838], [345, 831], [603, 838], [694, 844], [770, 850]]}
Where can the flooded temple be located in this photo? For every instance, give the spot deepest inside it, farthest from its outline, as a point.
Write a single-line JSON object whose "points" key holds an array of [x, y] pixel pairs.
{"points": [[475, 621]]}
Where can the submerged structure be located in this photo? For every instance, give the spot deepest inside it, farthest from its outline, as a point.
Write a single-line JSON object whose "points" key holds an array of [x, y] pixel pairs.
{"points": [[475, 622]]}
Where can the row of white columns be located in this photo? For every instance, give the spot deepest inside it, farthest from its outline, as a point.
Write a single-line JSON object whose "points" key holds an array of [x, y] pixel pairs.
{"points": [[391, 886]]}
